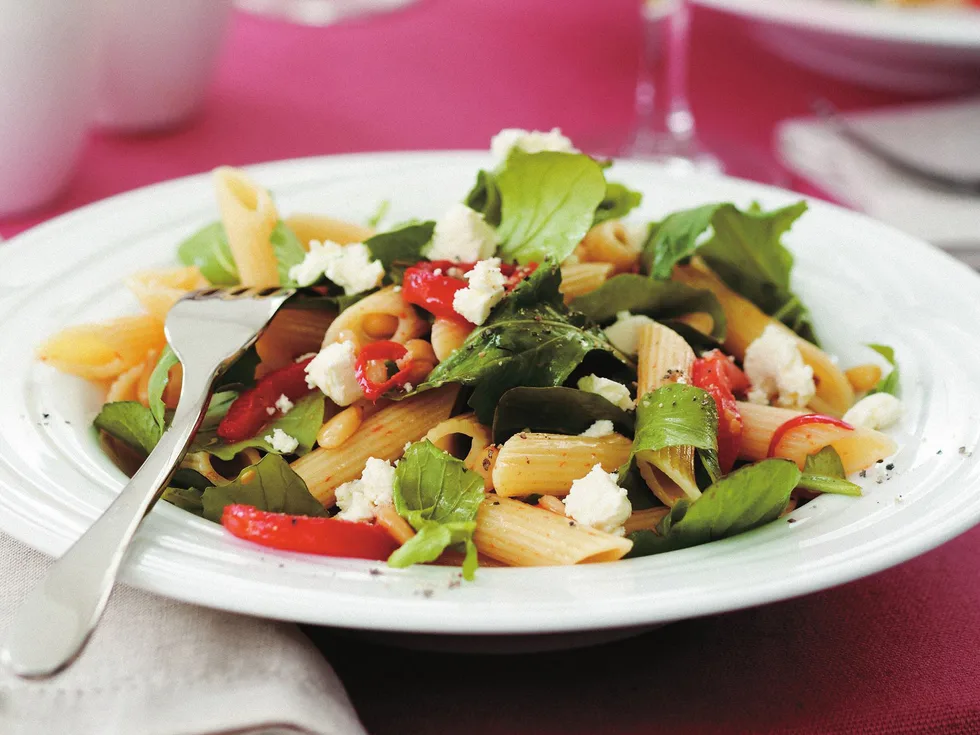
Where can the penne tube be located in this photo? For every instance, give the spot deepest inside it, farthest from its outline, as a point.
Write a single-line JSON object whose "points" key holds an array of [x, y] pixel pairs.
{"points": [[249, 216], [351, 323], [447, 336], [609, 242], [863, 377], [663, 487], [645, 520], [293, 332], [310, 227], [663, 356], [382, 435], [522, 535], [126, 386], [158, 290], [445, 436], [548, 464], [746, 322], [582, 278], [858, 448], [104, 350]]}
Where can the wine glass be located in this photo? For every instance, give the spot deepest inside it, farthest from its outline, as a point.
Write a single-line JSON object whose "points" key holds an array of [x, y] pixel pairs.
{"points": [[664, 130]]}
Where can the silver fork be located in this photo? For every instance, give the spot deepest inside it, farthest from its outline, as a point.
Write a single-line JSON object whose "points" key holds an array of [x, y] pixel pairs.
{"points": [[950, 182], [207, 330]]}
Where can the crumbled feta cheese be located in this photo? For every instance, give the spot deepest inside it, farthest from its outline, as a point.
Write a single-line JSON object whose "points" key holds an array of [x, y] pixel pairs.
{"points": [[283, 404], [776, 370], [877, 411], [597, 501], [601, 428], [349, 266], [408, 387], [358, 500], [616, 393], [407, 445], [529, 141], [462, 236], [332, 371], [485, 291], [271, 410], [623, 334], [281, 441]]}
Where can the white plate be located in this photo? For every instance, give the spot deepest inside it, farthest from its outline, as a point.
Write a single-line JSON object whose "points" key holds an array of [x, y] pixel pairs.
{"points": [[913, 50], [865, 282]]}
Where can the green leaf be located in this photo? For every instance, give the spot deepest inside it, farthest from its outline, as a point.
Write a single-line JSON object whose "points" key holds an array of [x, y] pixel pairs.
{"points": [[743, 248], [158, 383], [484, 198], [242, 371], [379, 214], [130, 422], [188, 499], [548, 202], [888, 383], [208, 249], [302, 423], [555, 411], [823, 472], [678, 415], [531, 339], [745, 499], [289, 251], [439, 497], [618, 201], [270, 485], [400, 247], [656, 299]]}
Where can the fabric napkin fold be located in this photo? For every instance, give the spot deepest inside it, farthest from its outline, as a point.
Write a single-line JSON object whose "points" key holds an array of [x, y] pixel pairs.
{"points": [[159, 667], [944, 136]]}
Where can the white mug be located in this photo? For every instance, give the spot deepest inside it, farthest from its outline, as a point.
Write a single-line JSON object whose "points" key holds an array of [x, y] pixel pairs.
{"points": [[48, 75], [158, 60]]}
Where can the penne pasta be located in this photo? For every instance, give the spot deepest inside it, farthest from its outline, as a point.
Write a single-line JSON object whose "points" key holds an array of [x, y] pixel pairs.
{"points": [[293, 332], [249, 216], [645, 520], [663, 487], [158, 290], [863, 377], [101, 351], [608, 242], [582, 278], [663, 357], [382, 435], [126, 386], [447, 336], [351, 323], [746, 322], [316, 227], [446, 434], [548, 464], [858, 448], [521, 535]]}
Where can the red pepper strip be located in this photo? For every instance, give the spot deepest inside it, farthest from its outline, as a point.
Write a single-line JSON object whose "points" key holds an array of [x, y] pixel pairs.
{"points": [[427, 284], [247, 414], [711, 373], [738, 381], [798, 421], [308, 535], [383, 350]]}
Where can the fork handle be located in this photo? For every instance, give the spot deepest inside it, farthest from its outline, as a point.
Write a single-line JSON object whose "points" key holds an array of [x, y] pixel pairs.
{"points": [[56, 620]]}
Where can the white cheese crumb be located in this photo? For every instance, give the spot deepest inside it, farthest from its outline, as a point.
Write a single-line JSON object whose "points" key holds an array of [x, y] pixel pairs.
{"points": [[462, 236], [529, 141], [332, 371], [616, 393], [624, 333], [776, 370], [281, 441], [359, 500], [408, 387], [407, 445], [877, 411], [271, 410], [283, 404], [597, 501], [349, 266], [484, 291], [601, 428]]}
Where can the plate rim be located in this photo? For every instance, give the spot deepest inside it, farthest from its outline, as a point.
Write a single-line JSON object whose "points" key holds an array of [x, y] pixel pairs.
{"points": [[161, 581]]}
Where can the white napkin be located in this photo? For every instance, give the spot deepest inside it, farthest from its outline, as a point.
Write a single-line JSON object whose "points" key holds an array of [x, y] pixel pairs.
{"points": [[942, 135], [158, 667]]}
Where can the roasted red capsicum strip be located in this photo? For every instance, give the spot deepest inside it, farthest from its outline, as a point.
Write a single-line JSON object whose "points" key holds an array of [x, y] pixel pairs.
{"points": [[798, 421], [248, 413], [308, 535], [428, 284], [715, 373], [383, 350]]}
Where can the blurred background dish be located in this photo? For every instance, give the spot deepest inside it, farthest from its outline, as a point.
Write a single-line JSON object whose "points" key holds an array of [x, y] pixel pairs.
{"points": [[319, 12], [923, 49]]}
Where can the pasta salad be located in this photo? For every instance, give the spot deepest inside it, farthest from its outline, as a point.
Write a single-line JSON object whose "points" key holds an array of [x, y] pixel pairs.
{"points": [[529, 379]]}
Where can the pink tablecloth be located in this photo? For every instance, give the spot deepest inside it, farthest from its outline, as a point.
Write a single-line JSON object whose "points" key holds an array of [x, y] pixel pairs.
{"points": [[898, 652]]}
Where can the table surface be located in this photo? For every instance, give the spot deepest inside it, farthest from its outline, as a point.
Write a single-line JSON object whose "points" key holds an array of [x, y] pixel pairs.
{"points": [[897, 652]]}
